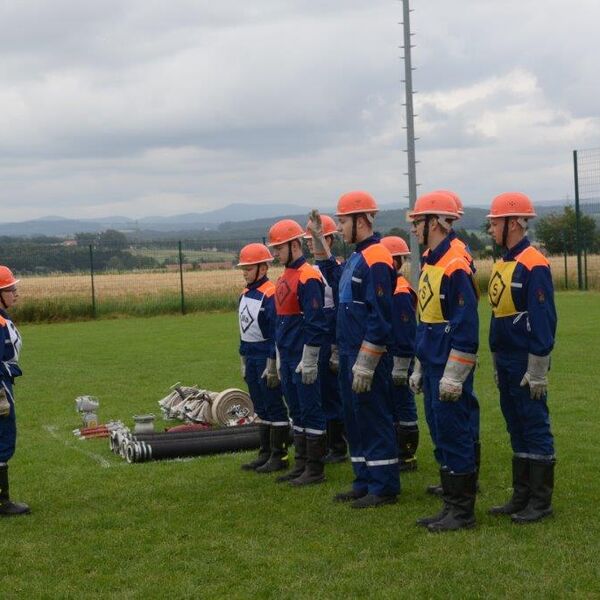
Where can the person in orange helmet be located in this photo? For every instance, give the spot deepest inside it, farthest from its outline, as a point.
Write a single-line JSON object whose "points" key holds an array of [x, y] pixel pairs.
{"points": [[324, 228], [10, 348], [364, 334], [522, 336], [447, 343], [256, 311], [300, 332], [404, 322]]}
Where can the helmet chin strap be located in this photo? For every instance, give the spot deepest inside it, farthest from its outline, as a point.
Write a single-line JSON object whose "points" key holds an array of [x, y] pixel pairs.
{"points": [[505, 233], [256, 274], [2, 299], [289, 258], [426, 230], [353, 238]]}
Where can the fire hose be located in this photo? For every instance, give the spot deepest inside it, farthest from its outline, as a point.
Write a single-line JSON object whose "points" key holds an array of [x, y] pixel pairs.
{"points": [[245, 437], [192, 404]]}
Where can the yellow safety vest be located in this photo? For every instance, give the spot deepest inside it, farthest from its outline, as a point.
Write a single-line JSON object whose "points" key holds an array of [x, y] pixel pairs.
{"points": [[430, 284], [501, 281]]}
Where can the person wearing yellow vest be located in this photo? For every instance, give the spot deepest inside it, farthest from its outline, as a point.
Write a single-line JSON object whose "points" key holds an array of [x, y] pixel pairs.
{"points": [[446, 347], [404, 323], [522, 332]]}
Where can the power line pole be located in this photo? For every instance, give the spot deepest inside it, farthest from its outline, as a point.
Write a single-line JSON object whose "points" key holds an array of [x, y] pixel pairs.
{"points": [[415, 254]]}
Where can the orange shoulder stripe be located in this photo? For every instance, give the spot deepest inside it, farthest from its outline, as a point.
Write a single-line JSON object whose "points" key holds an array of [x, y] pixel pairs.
{"points": [[2, 321], [267, 288], [403, 286], [377, 253], [309, 272], [531, 257]]}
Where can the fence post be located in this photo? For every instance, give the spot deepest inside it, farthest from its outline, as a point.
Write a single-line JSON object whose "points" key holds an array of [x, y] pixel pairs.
{"points": [[577, 222], [92, 278], [181, 278], [585, 274], [565, 255]]}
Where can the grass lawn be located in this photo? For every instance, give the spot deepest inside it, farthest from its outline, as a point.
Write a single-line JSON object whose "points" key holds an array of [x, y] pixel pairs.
{"points": [[202, 528]]}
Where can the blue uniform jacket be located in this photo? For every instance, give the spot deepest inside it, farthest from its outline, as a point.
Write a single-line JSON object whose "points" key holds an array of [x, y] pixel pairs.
{"points": [[333, 281], [404, 319], [299, 304], [266, 321], [459, 307], [533, 330], [366, 287]]}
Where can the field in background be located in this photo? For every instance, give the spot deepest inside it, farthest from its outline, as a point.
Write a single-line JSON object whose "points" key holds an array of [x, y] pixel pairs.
{"points": [[69, 297], [204, 529]]}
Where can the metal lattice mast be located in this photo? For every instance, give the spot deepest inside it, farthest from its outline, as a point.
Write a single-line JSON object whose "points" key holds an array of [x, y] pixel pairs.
{"points": [[410, 137]]}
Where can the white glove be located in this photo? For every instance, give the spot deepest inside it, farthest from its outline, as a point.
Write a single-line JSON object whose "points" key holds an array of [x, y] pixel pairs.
{"points": [[271, 373], [496, 380], [4, 404], [364, 368], [309, 365], [243, 366], [315, 227], [415, 381], [334, 359], [536, 376], [458, 367], [400, 370]]}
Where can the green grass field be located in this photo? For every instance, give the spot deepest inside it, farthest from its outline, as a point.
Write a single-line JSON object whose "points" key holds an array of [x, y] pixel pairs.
{"points": [[201, 528]]}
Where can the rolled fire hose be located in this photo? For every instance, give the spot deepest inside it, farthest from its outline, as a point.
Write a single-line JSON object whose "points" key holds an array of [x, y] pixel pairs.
{"points": [[244, 438], [119, 440]]}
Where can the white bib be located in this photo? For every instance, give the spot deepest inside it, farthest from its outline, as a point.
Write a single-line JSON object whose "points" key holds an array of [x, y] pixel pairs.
{"points": [[328, 299], [248, 313]]}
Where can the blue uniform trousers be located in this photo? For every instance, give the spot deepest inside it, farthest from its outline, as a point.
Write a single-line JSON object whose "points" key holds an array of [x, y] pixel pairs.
{"points": [[450, 423], [404, 405], [527, 420], [370, 430], [303, 401], [8, 426], [330, 395], [268, 402]]}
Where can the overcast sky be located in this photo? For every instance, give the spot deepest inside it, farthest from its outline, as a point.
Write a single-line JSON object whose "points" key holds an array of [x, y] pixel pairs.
{"points": [[149, 107]]}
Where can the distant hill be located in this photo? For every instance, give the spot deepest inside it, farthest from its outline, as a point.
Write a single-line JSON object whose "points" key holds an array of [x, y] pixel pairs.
{"points": [[236, 220]]}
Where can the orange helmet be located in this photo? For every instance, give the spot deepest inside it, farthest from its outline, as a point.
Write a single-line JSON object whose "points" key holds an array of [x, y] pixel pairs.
{"points": [[511, 204], [254, 254], [457, 200], [396, 245], [354, 203], [284, 231], [329, 227], [434, 203], [7, 279]]}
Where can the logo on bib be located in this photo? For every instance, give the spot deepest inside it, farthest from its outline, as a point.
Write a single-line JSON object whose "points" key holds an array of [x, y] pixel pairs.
{"points": [[425, 292], [246, 319], [282, 292], [496, 289]]}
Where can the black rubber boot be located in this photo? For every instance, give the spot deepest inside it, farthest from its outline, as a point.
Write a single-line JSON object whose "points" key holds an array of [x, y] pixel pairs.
{"points": [[348, 496], [459, 497], [278, 461], [337, 448], [299, 458], [316, 446], [408, 442], [520, 495], [264, 452], [541, 486], [373, 501], [8, 508]]}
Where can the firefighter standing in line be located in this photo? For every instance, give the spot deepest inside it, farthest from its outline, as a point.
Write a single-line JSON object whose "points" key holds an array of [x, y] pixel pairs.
{"points": [[404, 324], [300, 332], [10, 347], [447, 342], [325, 230], [458, 244], [364, 332], [522, 332], [257, 352]]}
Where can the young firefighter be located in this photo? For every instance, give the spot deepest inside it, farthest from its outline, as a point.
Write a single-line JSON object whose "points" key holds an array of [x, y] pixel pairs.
{"points": [[522, 333], [337, 449], [10, 347], [257, 351], [460, 246], [404, 322], [447, 342], [300, 332], [364, 332]]}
